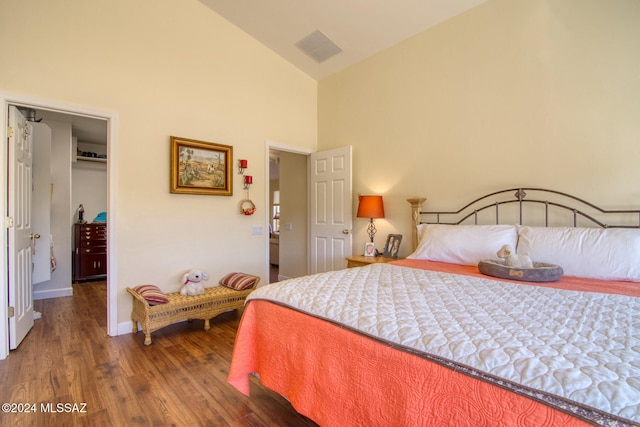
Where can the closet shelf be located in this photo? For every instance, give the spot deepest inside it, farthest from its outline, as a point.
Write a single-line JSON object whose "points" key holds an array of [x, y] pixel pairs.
{"points": [[91, 159]]}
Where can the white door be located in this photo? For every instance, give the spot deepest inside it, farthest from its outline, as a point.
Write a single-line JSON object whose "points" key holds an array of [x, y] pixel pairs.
{"points": [[41, 210], [20, 236], [331, 220]]}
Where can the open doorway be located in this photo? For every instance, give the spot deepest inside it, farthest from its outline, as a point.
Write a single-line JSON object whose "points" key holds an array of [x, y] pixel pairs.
{"points": [[315, 219], [288, 212], [108, 121], [78, 196], [274, 215]]}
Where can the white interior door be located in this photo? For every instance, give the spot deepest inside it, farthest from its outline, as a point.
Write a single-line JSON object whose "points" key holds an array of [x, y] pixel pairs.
{"points": [[20, 235], [41, 211], [331, 219]]}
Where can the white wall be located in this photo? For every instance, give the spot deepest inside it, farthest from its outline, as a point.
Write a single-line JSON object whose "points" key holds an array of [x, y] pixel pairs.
{"points": [[89, 188], [511, 93], [165, 68]]}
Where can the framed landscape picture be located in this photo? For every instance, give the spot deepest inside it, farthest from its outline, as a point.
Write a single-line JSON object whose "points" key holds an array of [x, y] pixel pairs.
{"points": [[199, 167]]}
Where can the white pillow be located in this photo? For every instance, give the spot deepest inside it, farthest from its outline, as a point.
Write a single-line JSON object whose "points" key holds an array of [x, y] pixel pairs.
{"points": [[462, 244], [597, 253]]}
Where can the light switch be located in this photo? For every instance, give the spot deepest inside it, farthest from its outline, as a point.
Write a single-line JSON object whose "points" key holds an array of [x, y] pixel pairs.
{"points": [[257, 230]]}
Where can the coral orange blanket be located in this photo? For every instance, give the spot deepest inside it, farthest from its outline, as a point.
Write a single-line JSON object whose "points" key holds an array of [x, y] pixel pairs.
{"points": [[338, 377]]}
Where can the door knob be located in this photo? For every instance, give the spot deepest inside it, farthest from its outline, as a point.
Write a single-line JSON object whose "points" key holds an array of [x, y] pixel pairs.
{"points": [[33, 238], [345, 231]]}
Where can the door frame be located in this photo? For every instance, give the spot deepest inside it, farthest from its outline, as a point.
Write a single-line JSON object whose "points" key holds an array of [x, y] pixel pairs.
{"points": [[274, 145], [6, 99]]}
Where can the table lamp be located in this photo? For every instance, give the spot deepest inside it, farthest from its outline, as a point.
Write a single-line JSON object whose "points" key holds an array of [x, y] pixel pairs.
{"points": [[370, 207]]}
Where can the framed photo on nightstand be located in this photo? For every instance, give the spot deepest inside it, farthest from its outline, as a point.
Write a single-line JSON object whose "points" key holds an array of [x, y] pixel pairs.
{"points": [[392, 246], [369, 249]]}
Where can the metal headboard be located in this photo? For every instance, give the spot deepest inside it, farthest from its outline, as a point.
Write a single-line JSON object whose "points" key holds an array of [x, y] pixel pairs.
{"points": [[579, 209]]}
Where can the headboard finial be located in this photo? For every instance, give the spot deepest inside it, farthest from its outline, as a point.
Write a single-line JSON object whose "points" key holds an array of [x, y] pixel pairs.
{"points": [[416, 205]]}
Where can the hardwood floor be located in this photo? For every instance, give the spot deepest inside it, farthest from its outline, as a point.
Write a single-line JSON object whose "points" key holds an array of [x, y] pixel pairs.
{"points": [[179, 380], [273, 273]]}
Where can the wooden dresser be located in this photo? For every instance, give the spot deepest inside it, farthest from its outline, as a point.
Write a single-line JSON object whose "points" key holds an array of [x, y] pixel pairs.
{"points": [[90, 251]]}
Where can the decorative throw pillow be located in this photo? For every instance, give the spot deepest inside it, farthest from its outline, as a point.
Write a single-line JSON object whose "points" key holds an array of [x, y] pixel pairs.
{"points": [[239, 281], [152, 294]]}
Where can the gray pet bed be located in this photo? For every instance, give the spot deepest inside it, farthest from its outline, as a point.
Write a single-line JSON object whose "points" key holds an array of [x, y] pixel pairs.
{"points": [[540, 272]]}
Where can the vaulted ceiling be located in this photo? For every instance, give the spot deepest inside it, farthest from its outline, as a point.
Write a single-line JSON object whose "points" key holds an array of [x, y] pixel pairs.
{"points": [[304, 32], [320, 37]]}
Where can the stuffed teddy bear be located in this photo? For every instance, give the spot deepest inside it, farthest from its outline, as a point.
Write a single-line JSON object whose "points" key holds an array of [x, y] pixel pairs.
{"points": [[191, 283], [511, 259]]}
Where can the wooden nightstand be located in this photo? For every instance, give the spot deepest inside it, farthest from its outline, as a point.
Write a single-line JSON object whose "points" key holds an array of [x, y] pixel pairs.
{"points": [[361, 260]]}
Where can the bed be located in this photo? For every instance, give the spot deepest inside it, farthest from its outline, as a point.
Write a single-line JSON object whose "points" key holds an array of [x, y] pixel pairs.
{"points": [[430, 340]]}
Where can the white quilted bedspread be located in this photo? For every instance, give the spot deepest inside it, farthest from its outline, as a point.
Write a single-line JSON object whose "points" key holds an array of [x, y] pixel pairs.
{"points": [[584, 347]]}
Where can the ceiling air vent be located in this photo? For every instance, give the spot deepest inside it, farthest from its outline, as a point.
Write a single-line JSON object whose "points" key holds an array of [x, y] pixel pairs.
{"points": [[318, 46]]}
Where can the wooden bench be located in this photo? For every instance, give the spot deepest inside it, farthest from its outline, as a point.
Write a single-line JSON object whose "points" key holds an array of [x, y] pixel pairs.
{"points": [[214, 301]]}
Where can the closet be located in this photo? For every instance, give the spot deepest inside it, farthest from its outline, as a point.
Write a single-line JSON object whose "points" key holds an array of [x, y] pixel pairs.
{"points": [[89, 198], [73, 179]]}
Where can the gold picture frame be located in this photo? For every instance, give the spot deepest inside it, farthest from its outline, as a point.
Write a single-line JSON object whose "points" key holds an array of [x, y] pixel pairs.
{"points": [[199, 167]]}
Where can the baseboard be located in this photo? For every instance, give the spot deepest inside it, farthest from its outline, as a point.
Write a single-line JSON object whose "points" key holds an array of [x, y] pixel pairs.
{"points": [[53, 293], [125, 328]]}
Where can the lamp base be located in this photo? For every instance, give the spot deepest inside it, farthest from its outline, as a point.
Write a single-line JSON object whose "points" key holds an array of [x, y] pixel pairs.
{"points": [[371, 229]]}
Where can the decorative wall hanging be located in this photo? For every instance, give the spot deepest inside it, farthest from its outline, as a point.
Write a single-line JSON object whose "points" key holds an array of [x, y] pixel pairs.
{"points": [[199, 167], [242, 165], [248, 180], [247, 207]]}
